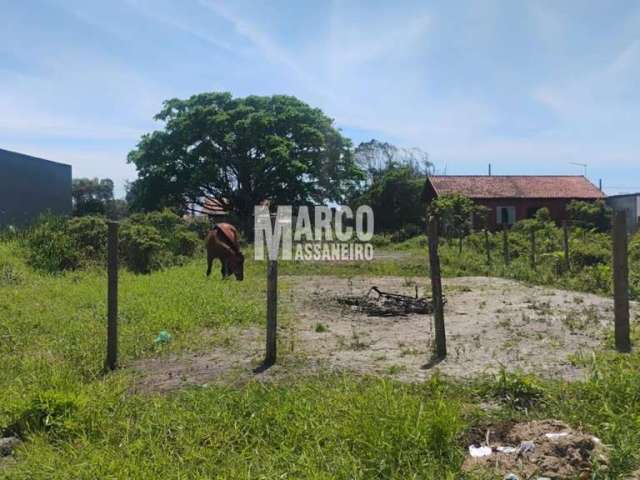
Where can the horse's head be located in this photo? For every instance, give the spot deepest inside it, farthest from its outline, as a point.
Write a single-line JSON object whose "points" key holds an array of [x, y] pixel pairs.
{"points": [[236, 264]]}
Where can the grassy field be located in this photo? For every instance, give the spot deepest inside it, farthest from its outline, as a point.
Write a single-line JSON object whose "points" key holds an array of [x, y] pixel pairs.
{"points": [[77, 422]]}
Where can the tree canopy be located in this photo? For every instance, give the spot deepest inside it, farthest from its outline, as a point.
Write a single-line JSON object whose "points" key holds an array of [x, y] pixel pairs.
{"points": [[455, 212], [93, 196], [375, 157], [395, 197], [242, 151]]}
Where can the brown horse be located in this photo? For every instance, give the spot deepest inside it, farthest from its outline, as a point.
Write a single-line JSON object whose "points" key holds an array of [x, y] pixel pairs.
{"points": [[222, 242]]}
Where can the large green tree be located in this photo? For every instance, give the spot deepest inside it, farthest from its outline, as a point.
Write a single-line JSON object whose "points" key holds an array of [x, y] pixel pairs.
{"points": [[242, 151], [395, 197]]}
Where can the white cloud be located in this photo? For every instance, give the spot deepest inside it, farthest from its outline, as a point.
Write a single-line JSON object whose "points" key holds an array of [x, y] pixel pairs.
{"points": [[600, 93]]}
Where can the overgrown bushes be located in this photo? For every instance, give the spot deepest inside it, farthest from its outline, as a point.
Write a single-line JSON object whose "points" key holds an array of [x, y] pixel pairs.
{"points": [[147, 242], [590, 257]]}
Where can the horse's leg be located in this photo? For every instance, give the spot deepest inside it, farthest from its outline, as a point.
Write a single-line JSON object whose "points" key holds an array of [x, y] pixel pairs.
{"points": [[209, 264], [224, 268]]}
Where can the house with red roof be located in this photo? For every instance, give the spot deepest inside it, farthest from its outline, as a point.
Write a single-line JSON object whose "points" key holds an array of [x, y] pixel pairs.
{"points": [[511, 198]]}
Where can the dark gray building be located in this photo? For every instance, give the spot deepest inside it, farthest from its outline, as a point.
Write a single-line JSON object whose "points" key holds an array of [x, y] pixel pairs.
{"points": [[629, 203], [30, 186]]}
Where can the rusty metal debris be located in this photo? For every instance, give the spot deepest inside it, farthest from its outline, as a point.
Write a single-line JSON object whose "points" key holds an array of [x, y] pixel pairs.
{"points": [[377, 303]]}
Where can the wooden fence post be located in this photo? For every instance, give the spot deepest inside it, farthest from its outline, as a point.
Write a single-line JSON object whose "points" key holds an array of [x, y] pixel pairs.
{"points": [[621, 282], [436, 289], [111, 362], [532, 255], [567, 260], [505, 245], [487, 246], [272, 313]]}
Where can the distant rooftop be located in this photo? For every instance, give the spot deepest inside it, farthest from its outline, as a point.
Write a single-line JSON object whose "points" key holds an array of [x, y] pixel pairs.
{"points": [[516, 186], [620, 195]]}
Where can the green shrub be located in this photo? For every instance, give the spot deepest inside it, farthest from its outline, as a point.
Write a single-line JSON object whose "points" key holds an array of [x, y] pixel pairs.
{"points": [[590, 215], [165, 222], [141, 247], [184, 243], [147, 242], [589, 254], [90, 237], [50, 247], [597, 279]]}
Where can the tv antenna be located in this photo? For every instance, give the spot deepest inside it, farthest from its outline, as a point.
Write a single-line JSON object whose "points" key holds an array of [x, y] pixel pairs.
{"points": [[583, 165]]}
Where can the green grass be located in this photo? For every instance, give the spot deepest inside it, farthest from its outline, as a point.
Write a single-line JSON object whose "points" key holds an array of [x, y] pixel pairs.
{"points": [[326, 427], [77, 422], [52, 328]]}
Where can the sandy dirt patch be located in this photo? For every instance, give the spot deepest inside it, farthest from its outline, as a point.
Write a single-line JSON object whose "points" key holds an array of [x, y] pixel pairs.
{"points": [[491, 323]]}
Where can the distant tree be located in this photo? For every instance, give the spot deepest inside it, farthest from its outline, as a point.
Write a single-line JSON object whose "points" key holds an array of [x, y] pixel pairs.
{"points": [[242, 151], [456, 212], [591, 215], [93, 196], [90, 195], [374, 157], [116, 209], [395, 197]]}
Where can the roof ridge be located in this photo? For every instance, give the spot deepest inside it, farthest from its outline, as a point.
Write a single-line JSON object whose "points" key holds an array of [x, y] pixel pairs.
{"points": [[516, 186], [493, 176], [32, 157]]}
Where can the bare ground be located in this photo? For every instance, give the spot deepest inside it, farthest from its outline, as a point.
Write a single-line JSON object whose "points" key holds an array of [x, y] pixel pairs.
{"points": [[491, 323]]}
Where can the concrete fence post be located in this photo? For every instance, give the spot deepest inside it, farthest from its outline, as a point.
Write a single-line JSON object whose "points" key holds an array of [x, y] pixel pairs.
{"points": [[621, 282], [111, 362], [436, 289]]}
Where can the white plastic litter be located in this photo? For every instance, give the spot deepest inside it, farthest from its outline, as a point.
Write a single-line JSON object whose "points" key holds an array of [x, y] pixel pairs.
{"points": [[507, 449], [479, 452], [511, 476], [555, 436], [526, 447]]}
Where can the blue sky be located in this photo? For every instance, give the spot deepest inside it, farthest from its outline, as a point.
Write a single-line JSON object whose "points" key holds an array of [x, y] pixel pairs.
{"points": [[526, 86]]}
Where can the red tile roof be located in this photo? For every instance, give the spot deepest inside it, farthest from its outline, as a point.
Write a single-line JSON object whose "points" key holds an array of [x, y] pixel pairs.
{"points": [[516, 186], [213, 206]]}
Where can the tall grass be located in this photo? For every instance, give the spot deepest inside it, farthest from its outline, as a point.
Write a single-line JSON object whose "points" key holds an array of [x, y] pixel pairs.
{"points": [[323, 427], [52, 327]]}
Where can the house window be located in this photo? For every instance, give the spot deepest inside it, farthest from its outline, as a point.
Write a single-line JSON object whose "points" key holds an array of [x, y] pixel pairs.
{"points": [[506, 215]]}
